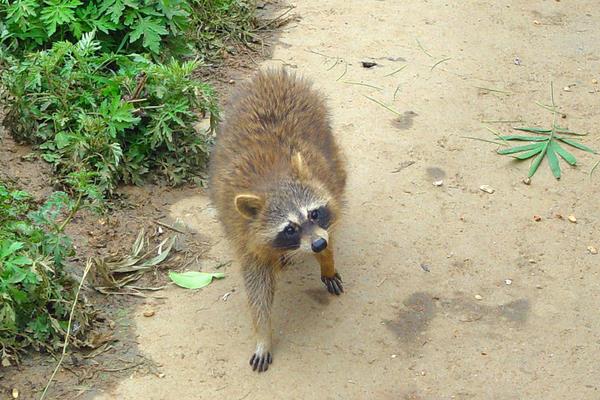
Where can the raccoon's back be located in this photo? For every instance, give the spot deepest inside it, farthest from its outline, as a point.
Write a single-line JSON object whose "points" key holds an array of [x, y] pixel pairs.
{"points": [[270, 118], [275, 109]]}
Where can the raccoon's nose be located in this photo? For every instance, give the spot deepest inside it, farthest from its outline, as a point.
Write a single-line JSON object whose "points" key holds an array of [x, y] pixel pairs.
{"points": [[319, 245]]}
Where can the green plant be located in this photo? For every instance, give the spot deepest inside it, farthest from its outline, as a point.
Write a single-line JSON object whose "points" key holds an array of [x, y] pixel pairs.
{"points": [[102, 119], [35, 292], [547, 144], [133, 25]]}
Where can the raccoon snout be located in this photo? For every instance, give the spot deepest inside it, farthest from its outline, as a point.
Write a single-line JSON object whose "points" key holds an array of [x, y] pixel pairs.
{"points": [[318, 245]]}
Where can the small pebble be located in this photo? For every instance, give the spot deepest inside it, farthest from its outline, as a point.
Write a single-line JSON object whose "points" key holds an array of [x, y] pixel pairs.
{"points": [[567, 88], [517, 61], [508, 281], [148, 313], [487, 189], [592, 250], [527, 181], [438, 183], [478, 297], [394, 355], [595, 81], [231, 81], [572, 219], [537, 218], [536, 22], [531, 261], [538, 286], [15, 393]]}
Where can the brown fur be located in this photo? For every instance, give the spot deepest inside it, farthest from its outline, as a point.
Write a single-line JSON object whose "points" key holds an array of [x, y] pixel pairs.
{"points": [[276, 132]]}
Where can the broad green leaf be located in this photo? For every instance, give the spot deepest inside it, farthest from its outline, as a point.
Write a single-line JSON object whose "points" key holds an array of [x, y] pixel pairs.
{"points": [[7, 250], [553, 161], [194, 279], [17, 275], [528, 154], [524, 138], [21, 260], [534, 130], [536, 163], [568, 157], [62, 140], [517, 149], [576, 144]]}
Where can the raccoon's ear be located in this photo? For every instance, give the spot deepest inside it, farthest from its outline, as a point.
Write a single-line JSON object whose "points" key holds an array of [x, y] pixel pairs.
{"points": [[249, 205], [298, 165]]}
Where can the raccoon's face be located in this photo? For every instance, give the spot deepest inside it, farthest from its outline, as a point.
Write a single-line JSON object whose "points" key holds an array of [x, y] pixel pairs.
{"points": [[295, 217]]}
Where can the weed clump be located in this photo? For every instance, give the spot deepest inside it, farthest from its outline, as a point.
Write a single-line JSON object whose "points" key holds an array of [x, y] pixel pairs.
{"points": [[35, 292], [105, 118]]}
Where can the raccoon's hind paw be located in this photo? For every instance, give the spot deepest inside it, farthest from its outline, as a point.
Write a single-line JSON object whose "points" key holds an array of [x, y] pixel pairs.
{"points": [[260, 361], [333, 284]]}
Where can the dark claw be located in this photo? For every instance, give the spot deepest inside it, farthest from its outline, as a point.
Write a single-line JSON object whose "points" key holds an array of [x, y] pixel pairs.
{"points": [[334, 284], [260, 363]]}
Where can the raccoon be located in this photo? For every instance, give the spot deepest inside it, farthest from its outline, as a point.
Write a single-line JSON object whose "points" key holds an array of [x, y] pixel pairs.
{"points": [[277, 180]]}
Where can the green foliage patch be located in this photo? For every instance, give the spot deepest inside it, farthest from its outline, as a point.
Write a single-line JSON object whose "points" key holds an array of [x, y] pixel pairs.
{"points": [[35, 292], [104, 118], [131, 25]]}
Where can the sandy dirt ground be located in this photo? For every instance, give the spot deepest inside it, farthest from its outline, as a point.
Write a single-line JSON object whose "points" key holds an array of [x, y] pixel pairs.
{"points": [[451, 292]]}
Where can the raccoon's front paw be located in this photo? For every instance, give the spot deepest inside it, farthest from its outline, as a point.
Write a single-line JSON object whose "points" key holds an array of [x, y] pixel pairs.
{"points": [[333, 284], [260, 361]]}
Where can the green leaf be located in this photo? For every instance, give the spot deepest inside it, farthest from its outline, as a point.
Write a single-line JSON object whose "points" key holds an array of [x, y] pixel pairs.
{"points": [[20, 11], [194, 279], [7, 250], [517, 149], [58, 12], [528, 154], [524, 138], [553, 161], [114, 8], [17, 275], [21, 260], [62, 140], [568, 157], [566, 131], [534, 130], [152, 31], [536, 163], [576, 144]]}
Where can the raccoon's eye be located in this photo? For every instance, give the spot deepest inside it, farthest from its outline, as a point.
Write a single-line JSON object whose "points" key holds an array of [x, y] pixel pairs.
{"points": [[314, 215], [289, 230]]}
